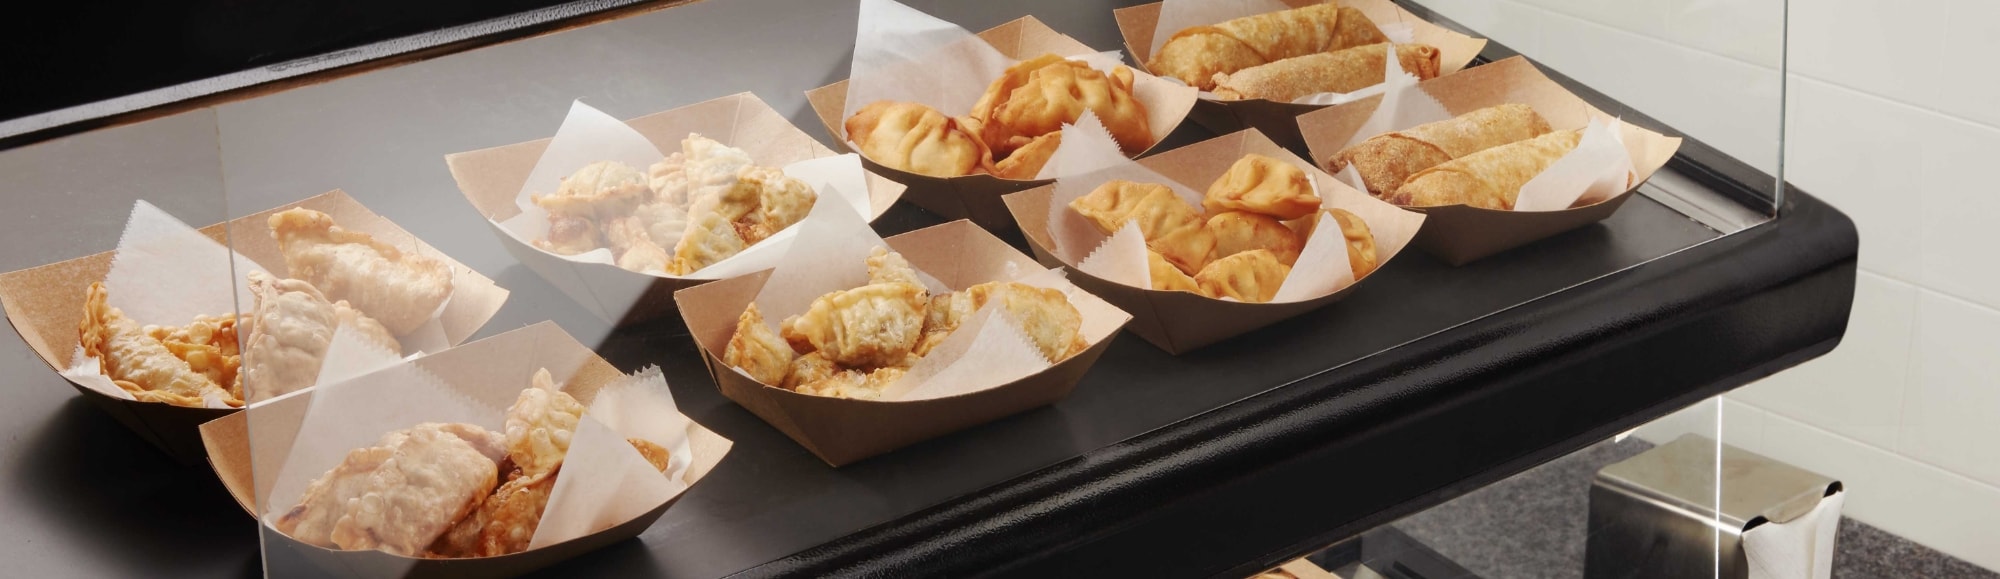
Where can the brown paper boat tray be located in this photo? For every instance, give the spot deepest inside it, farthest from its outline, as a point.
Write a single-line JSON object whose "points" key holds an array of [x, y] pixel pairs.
{"points": [[841, 431], [977, 197], [1276, 119], [45, 304], [1460, 234], [492, 178], [248, 447]]}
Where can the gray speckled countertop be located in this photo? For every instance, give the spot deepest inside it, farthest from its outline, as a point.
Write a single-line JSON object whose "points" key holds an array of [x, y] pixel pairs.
{"points": [[1533, 526]]}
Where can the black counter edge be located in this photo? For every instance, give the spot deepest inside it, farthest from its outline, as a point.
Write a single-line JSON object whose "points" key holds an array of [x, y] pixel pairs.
{"points": [[1274, 475]]}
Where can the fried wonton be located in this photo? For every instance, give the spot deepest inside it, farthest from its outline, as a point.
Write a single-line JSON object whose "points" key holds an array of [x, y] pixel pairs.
{"points": [[869, 326], [1156, 207], [1188, 248], [399, 289], [916, 138], [1240, 231], [886, 266], [1261, 184], [1251, 276], [758, 351], [807, 369], [1361, 256], [1026, 162], [540, 425], [1166, 276], [1037, 96]]}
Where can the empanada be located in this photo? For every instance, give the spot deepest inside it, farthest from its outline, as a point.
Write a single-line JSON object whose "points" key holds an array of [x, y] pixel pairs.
{"points": [[701, 170], [1194, 55], [209, 346], [399, 289], [1167, 276], [916, 138], [540, 424], [807, 369], [869, 326], [1026, 162], [291, 327], [398, 496], [1361, 255], [1037, 96], [1251, 276], [1261, 184], [1240, 231], [756, 350]]}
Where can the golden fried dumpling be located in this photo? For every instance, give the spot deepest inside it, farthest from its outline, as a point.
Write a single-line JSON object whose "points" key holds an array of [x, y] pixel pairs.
{"points": [[571, 235], [138, 363], [1044, 314], [400, 495], [1251, 276], [1026, 162], [781, 201], [400, 289], [756, 350], [1037, 96], [886, 266], [1240, 231], [1261, 184], [291, 327], [503, 523], [945, 313], [1361, 254], [600, 189], [540, 425], [209, 345], [854, 384], [916, 138], [1156, 207], [807, 369], [1167, 276], [869, 326], [710, 238], [1188, 248]]}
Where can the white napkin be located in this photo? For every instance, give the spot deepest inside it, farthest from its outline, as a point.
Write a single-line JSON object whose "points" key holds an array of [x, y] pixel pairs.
{"points": [[1801, 548], [1597, 169]]}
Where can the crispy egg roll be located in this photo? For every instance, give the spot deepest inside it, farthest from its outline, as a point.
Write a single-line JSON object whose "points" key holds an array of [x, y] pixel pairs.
{"points": [[1385, 161], [1194, 55], [1345, 70], [1489, 179]]}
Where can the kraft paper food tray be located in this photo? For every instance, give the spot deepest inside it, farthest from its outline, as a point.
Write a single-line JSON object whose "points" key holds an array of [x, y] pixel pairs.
{"points": [[1178, 321], [45, 304], [1276, 119], [1461, 234], [491, 179], [841, 431], [977, 197], [231, 447]]}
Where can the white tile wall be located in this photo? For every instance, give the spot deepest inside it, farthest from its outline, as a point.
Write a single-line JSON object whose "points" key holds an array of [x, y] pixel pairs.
{"points": [[1894, 117]]}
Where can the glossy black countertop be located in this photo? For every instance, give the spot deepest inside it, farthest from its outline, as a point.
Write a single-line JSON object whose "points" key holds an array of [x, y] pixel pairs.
{"points": [[1431, 380]]}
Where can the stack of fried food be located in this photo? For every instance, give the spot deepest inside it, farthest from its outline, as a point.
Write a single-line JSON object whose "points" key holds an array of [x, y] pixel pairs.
{"points": [[1253, 223], [340, 278], [1013, 129], [696, 207], [449, 490], [1480, 158], [1285, 55], [853, 343]]}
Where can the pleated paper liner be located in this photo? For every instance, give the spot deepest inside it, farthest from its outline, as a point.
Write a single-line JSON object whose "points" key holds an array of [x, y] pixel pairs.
{"points": [[1181, 322], [842, 431], [45, 304], [1277, 119], [977, 197], [247, 453], [492, 178], [1460, 234]]}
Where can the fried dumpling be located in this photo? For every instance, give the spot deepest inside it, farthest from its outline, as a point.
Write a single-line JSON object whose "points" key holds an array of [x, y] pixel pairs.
{"points": [[1189, 248], [398, 496], [781, 201], [1261, 184], [1044, 314], [1361, 256], [702, 169], [1251, 276], [886, 266], [855, 384], [1026, 162], [1156, 207], [138, 363], [807, 369], [1037, 96], [571, 235], [758, 351], [400, 289], [291, 327], [1239, 231], [710, 238], [1166, 276], [209, 345], [869, 326], [598, 190], [540, 424], [916, 138]]}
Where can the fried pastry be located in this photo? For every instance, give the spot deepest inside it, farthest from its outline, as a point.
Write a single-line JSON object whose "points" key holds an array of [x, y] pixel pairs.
{"points": [[571, 235], [399, 495], [138, 363], [808, 368], [1240, 231], [399, 289], [869, 326], [1196, 54], [854, 384], [1026, 162], [1188, 248], [503, 523], [656, 455], [1361, 256], [1156, 207], [1342, 71], [758, 351], [703, 169], [1387, 160], [1489, 179], [1043, 314], [1261, 184], [781, 201], [1251, 276], [944, 315], [290, 329], [886, 266], [598, 190], [916, 138], [635, 249], [710, 238], [209, 346], [540, 424], [1037, 96], [1168, 277]]}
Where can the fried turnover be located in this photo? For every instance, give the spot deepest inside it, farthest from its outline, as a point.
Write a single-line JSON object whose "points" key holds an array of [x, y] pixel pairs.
{"points": [[1341, 71], [1251, 276], [1037, 96], [291, 327], [144, 366], [916, 138], [399, 289], [399, 495], [1261, 184], [540, 424], [1196, 54], [1387, 160], [1489, 179]]}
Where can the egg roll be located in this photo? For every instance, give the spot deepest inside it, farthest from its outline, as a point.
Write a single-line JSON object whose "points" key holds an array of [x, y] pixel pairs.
{"points": [[1488, 179], [1194, 55], [1346, 70], [1385, 161]]}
